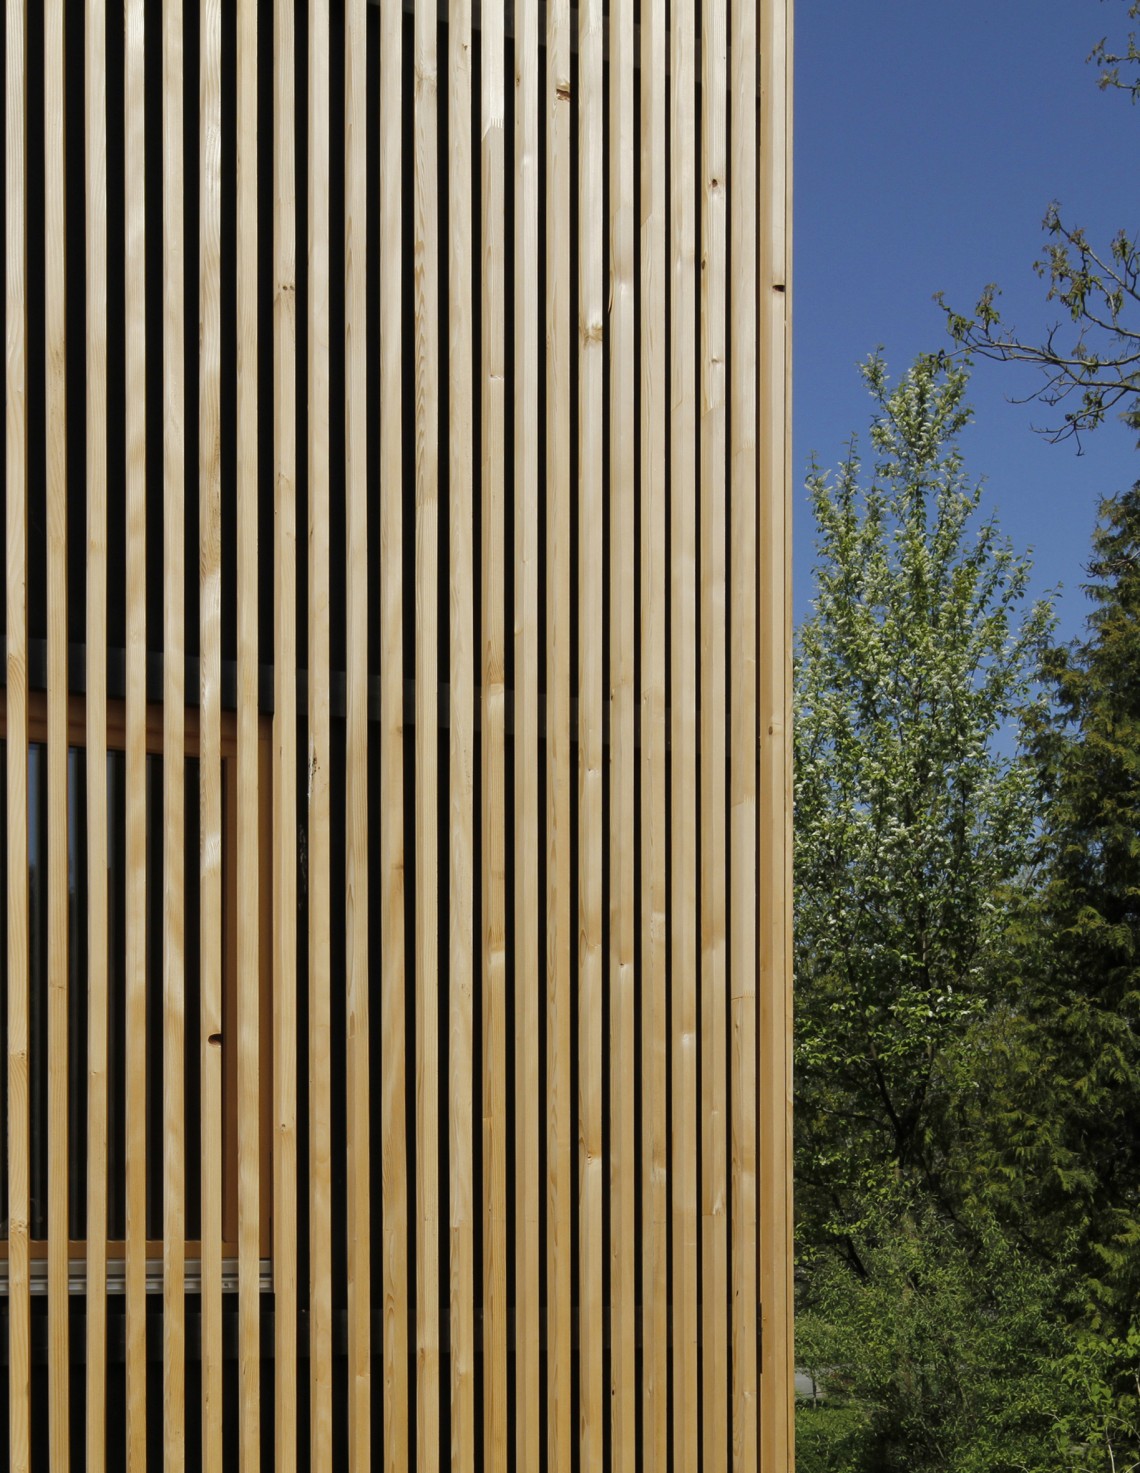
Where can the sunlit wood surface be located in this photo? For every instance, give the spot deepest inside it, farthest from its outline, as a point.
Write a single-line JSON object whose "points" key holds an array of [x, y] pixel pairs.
{"points": [[396, 704]]}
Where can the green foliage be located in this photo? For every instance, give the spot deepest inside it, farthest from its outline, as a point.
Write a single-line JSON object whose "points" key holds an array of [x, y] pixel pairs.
{"points": [[1043, 1094], [831, 1437], [1120, 69], [968, 978], [1082, 948], [948, 1350], [1096, 372], [909, 821], [1088, 756], [1099, 1424]]}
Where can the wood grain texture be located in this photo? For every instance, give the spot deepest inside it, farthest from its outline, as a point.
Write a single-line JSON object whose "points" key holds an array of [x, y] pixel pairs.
{"points": [[248, 877], [742, 736], [654, 919], [425, 269], [135, 784], [230, 918], [55, 416], [493, 717], [713, 738], [356, 724], [319, 755], [683, 721], [265, 979], [394, 1141], [785, 1181], [16, 692], [95, 176], [461, 740], [591, 713], [777, 1435], [285, 1360], [623, 755], [679, 478], [526, 971], [560, 938], [211, 1034], [173, 756]]}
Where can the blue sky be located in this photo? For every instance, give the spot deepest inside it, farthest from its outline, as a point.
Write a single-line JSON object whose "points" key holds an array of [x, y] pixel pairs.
{"points": [[929, 139]]}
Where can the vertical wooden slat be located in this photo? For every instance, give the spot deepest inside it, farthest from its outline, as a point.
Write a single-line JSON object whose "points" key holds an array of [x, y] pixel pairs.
{"points": [[623, 757], [95, 135], [559, 935], [231, 918], [591, 513], [526, 962], [320, 978], [785, 1106], [55, 362], [683, 723], [265, 1239], [425, 275], [461, 738], [356, 713], [742, 740], [655, 1199], [249, 1086], [285, 742], [174, 764], [493, 713], [212, 1039], [776, 1377], [393, 1151], [136, 814], [714, 856], [16, 562]]}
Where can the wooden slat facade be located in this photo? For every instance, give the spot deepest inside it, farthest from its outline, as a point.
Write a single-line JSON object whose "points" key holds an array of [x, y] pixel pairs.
{"points": [[396, 705]]}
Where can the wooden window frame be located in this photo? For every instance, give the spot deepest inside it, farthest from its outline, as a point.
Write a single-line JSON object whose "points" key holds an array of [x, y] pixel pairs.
{"points": [[116, 742]]}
